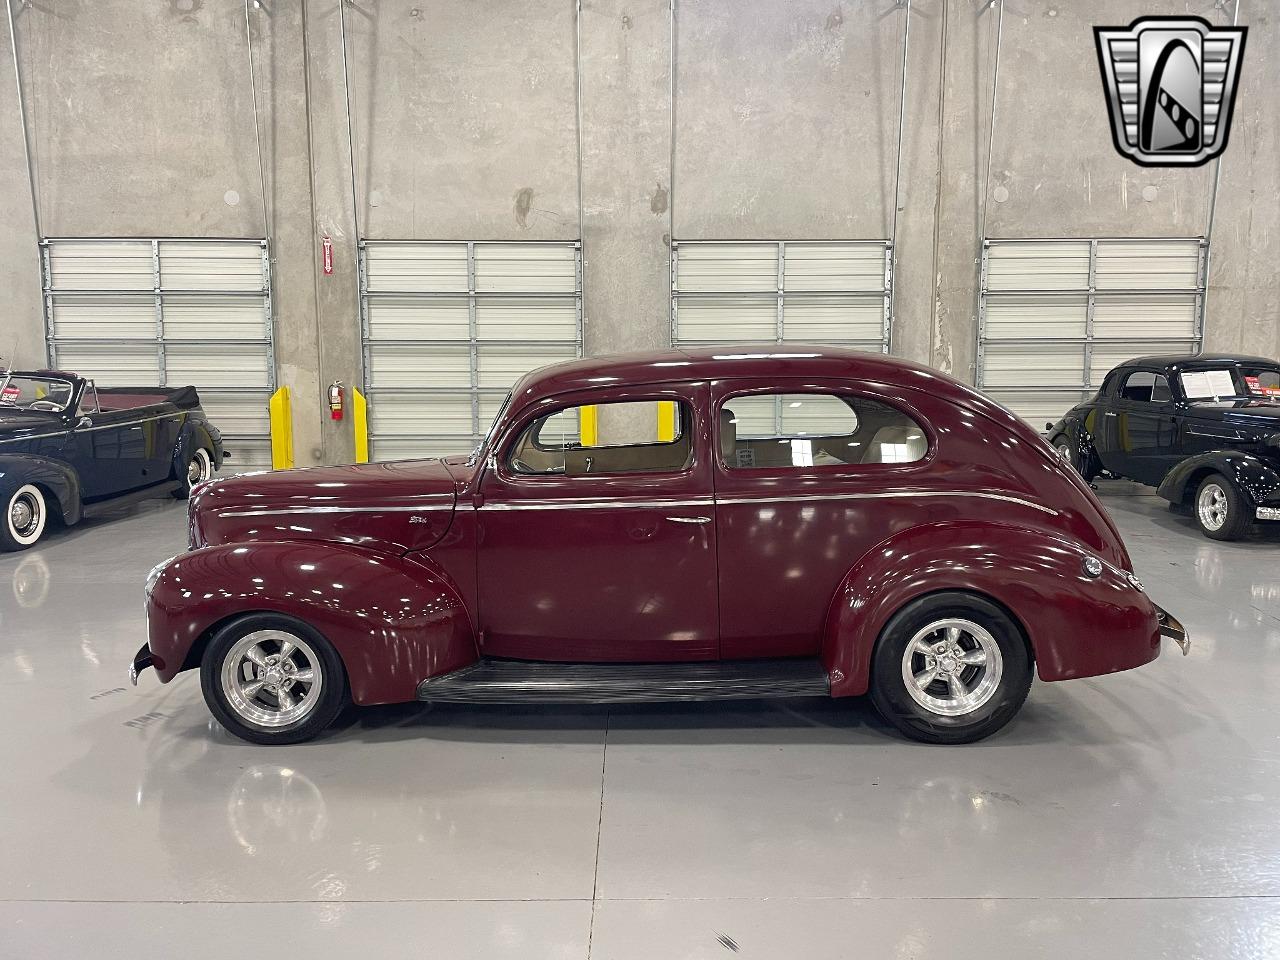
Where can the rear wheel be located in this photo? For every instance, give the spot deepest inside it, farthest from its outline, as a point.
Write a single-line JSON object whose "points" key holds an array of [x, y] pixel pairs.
{"points": [[272, 679], [26, 513], [950, 668], [199, 469], [1220, 510]]}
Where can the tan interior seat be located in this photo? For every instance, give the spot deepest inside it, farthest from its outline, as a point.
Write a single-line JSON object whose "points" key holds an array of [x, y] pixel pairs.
{"points": [[896, 445]]}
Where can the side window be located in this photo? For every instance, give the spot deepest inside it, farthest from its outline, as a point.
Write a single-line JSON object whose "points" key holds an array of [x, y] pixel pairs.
{"points": [[1262, 381], [606, 438], [1146, 387], [815, 430]]}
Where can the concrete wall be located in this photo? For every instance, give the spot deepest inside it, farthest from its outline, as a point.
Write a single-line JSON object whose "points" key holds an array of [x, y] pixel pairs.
{"points": [[534, 119]]}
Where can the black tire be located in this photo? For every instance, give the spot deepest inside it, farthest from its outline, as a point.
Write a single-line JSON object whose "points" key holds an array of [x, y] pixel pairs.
{"points": [[1217, 497], [1003, 682], [1067, 450], [198, 468], [330, 700], [25, 517]]}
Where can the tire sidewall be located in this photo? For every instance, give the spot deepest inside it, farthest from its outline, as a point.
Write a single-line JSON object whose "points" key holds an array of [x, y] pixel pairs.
{"points": [[1237, 521], [895, 703], [333, 693], [9, 537], [199, 453]]}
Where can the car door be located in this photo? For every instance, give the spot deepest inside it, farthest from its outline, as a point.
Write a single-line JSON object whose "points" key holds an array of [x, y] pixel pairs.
{"points": [[111, 450], [1142, 427], [802, 474], [596, 536]]}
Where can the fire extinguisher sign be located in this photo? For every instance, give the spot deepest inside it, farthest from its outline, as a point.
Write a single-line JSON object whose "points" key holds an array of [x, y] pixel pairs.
{"points": [[326, 257]]}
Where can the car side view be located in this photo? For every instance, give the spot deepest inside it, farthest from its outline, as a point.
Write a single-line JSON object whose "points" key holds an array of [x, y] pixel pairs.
{"points": [[1204, 430], [734, 522], [70, 449]]}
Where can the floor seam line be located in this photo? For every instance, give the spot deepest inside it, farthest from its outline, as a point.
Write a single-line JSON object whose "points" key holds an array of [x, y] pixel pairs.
{"points": [[595, 876]]}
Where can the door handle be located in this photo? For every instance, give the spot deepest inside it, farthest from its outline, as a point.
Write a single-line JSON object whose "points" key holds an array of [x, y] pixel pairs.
{"points": [[689, 519]]}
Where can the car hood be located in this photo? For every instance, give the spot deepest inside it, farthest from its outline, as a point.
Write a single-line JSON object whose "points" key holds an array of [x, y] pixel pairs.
{"points": [[18, 423], [1251, 417], [400, 507]]}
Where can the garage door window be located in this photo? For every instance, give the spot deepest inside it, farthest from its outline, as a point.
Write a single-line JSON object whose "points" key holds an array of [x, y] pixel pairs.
{"points": [[603, 439], [816, 430]]}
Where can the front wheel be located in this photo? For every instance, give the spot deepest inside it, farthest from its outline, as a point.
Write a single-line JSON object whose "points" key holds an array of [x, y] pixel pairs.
{"points": [[950, 668], [272, 679], [1220, 510], [26, 512]]}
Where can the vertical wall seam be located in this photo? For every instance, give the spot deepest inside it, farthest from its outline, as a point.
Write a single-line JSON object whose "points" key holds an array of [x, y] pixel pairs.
{"points": [[671, 171], [897, 177], [311, 183], [940, 144], [22, 120], [577, 123], [1213, 210]]}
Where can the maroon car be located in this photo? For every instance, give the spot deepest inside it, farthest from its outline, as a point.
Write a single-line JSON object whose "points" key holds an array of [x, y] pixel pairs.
{"points": [[734, 522]]}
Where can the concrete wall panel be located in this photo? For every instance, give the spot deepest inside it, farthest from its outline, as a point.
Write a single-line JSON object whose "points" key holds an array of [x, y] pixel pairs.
{"points": [[786, 118]]}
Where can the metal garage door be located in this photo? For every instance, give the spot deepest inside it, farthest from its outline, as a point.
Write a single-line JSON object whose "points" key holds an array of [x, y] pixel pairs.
{"points": [[834, 292], [170, 313], [1056, 315], [450, 326]]}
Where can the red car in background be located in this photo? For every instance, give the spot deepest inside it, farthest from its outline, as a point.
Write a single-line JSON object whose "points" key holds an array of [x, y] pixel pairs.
{"points": [[732, 522]]}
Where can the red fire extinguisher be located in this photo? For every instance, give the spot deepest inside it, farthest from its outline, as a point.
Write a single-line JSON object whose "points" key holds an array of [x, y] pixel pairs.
{"points": [[335, 400]]}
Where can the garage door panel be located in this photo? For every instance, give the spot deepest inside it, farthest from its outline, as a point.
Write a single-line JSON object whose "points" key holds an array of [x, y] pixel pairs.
{"points": [[416, 268], [172, 312], [526, 318], [833, 320], [104, 317], [1063, 313], [1032, 317], [831, 291], [407, 318], [439, 356], [1035, 365]]}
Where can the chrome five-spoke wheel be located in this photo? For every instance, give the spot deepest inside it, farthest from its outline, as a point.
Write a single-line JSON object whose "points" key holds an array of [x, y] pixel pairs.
{"points": [[272, 678], [1211, 505], [952, 667]]}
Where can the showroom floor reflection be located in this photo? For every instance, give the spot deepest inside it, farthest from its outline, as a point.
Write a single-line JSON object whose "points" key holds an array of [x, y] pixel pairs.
{"points": [[1130, 809]]}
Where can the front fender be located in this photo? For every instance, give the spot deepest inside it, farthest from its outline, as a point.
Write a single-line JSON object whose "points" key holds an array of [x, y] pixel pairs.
{"points": [[1257, 478], [394, 620], [55, 476], [1078, 626]]}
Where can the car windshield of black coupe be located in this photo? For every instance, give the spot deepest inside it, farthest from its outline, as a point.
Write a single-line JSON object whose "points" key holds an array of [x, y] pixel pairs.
{"points": [[1230, 383], [35, 393]]}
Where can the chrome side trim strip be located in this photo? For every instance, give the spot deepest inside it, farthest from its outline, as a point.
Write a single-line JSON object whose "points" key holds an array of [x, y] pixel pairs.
{"points": [[106, 426], [891, 495], [281, 511], [751, 501], [35, 436]]}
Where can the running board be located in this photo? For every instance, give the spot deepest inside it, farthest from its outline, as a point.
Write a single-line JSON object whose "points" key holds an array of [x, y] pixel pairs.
{"points": [[524, 681]]}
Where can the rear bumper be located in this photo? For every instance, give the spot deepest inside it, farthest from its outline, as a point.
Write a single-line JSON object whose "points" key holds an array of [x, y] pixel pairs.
{"points": [[141, 661], [1172, 629]]}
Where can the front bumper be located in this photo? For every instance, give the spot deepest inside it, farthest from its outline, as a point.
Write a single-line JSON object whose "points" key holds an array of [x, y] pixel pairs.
{"points": [[1172, 629], [141, 661]]}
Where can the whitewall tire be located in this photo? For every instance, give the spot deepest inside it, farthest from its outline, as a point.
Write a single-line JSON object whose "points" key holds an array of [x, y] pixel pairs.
{"points": [[199, 469], [26, 513]]}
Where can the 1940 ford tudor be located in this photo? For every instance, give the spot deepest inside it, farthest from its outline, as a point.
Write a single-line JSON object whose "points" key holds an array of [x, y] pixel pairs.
{"points": [[727, 522]]}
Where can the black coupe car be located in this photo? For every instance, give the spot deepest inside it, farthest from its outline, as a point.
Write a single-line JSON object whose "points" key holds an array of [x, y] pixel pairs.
{"points": [[1203, 429], [69, 449]]}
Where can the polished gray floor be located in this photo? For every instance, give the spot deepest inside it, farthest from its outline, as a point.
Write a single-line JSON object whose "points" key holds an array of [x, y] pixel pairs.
{"points": [[1128, 816]]}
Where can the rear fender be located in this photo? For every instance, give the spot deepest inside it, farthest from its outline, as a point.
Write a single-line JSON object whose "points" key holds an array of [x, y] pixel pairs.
{"points": [[1257, 478], [55, 476], [394, 620], [1076, 625]]}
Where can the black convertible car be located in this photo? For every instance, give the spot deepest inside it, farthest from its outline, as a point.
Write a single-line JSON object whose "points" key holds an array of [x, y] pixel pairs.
{"points": [[1203, 429], [69, 449]]}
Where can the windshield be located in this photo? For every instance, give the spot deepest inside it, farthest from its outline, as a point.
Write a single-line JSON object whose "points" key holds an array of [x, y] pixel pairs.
{"points": [[1231, 382], [35, 393]]}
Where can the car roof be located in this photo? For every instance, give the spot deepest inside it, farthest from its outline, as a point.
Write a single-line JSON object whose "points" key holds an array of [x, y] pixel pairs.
{"points": [[731, 361], [1194, 359]]}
